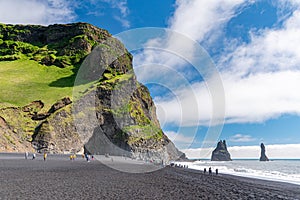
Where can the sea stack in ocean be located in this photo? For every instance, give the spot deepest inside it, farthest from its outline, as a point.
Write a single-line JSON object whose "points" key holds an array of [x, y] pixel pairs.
{"points": [[221, 153], [263, 156]]}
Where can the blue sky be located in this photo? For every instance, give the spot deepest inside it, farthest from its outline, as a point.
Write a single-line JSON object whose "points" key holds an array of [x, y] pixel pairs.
{"points": [[254, 44]]}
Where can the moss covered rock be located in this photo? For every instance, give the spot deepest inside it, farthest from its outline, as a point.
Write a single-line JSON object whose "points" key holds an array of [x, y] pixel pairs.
{"points": [[111, 112]]}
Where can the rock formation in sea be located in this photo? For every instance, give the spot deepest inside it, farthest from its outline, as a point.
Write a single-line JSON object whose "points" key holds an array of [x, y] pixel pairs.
{"points": [[263, 156], [221, 153], [111, 112]]}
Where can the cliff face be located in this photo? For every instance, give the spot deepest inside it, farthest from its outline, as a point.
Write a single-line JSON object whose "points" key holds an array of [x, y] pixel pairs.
{"points": [[263, 156], [59, 45], [110, 112], [221, 153]]}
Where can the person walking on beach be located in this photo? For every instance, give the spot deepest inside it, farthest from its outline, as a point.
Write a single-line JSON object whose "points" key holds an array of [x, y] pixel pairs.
{"points": [[204, 171], [209, 171], [33, 156], [45, 156], [87, 157], [217, 171]]}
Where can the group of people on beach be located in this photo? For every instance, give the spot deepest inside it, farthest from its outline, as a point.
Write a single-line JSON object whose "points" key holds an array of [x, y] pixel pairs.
{"points": [[27, 155], [204, 171], [210, 171], [88, 157], [34, 156], [179, 165], [72, 156]]}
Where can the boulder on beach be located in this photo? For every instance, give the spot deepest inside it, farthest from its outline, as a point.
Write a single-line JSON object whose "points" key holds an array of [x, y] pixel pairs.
{"points": [[221, 153], [263, 156]]}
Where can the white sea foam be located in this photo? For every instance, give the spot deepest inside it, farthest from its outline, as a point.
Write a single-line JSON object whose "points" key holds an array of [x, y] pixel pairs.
{"points": [[277, 170]]}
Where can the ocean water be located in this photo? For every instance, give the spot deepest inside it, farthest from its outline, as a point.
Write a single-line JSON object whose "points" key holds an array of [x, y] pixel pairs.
{"points": [[275, 170]]}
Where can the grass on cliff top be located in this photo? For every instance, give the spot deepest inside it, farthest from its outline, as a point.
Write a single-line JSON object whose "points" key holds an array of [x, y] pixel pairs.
{"points": [[24, 81]]}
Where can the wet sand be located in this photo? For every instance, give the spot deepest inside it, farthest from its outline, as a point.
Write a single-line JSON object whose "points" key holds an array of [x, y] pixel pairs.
{"points": [[60, 178]]}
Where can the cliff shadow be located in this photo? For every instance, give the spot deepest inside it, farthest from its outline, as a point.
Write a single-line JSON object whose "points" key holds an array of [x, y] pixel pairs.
{"points": [[72, 80], [100, 144]]}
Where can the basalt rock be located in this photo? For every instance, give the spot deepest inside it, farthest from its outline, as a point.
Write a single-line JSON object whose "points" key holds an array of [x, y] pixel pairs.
{"points": [[221, 153], [123, 119], [60, 104], [9, 140], [111, 112], [263, 156]]}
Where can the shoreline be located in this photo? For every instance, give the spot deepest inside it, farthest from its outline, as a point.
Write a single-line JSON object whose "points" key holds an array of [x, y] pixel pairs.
{"points": [[136, 163], [242, 170], [60, 178]]}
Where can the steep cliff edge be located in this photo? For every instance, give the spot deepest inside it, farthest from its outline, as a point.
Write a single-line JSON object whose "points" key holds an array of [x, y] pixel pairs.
{"points": [[221, 153], [110, 112]]}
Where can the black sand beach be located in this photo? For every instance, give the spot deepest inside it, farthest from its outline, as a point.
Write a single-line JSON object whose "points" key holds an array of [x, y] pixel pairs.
{"points": [[60, 178]]}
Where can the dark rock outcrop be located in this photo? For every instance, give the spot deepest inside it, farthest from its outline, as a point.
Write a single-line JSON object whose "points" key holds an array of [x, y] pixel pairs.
{"points": [[221, 153], [57, 133], [113, 114], [124, 121], [263, 156], [33, 107], [19, 127], [9, 141], [60, 104], [61, 45], [16, 128]]}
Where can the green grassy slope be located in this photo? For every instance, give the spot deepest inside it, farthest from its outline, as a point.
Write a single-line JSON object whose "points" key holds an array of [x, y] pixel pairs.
{"points": [[40, 63], [24, 81]]}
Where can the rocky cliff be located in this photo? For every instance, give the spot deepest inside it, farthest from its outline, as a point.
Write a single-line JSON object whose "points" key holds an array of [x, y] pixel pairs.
{"points": [[263, 156], [109, 112], [221, 153]]}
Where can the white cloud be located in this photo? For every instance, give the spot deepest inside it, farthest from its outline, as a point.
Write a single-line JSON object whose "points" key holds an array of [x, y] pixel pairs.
{"points": [[211, 17], [125, 23], [182, 141], [179, 138], [260, 78], [36, 12], [187, 108], [269, 50], [197, 19], [255, 98], [241, 138], [262, 96], [278, 151], [121, 6]]}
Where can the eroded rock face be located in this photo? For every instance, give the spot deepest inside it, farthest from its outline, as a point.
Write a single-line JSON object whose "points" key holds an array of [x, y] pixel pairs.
{"points": [[113, 114], [22, 128], [9, 140], [221, 153], [57, 133], [124, 121], [263, 156], [16, 127], [60, 104], [62, 44]]}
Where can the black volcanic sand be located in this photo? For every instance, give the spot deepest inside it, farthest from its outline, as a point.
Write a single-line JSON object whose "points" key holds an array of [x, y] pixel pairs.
{"points": [[60, 178]]}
